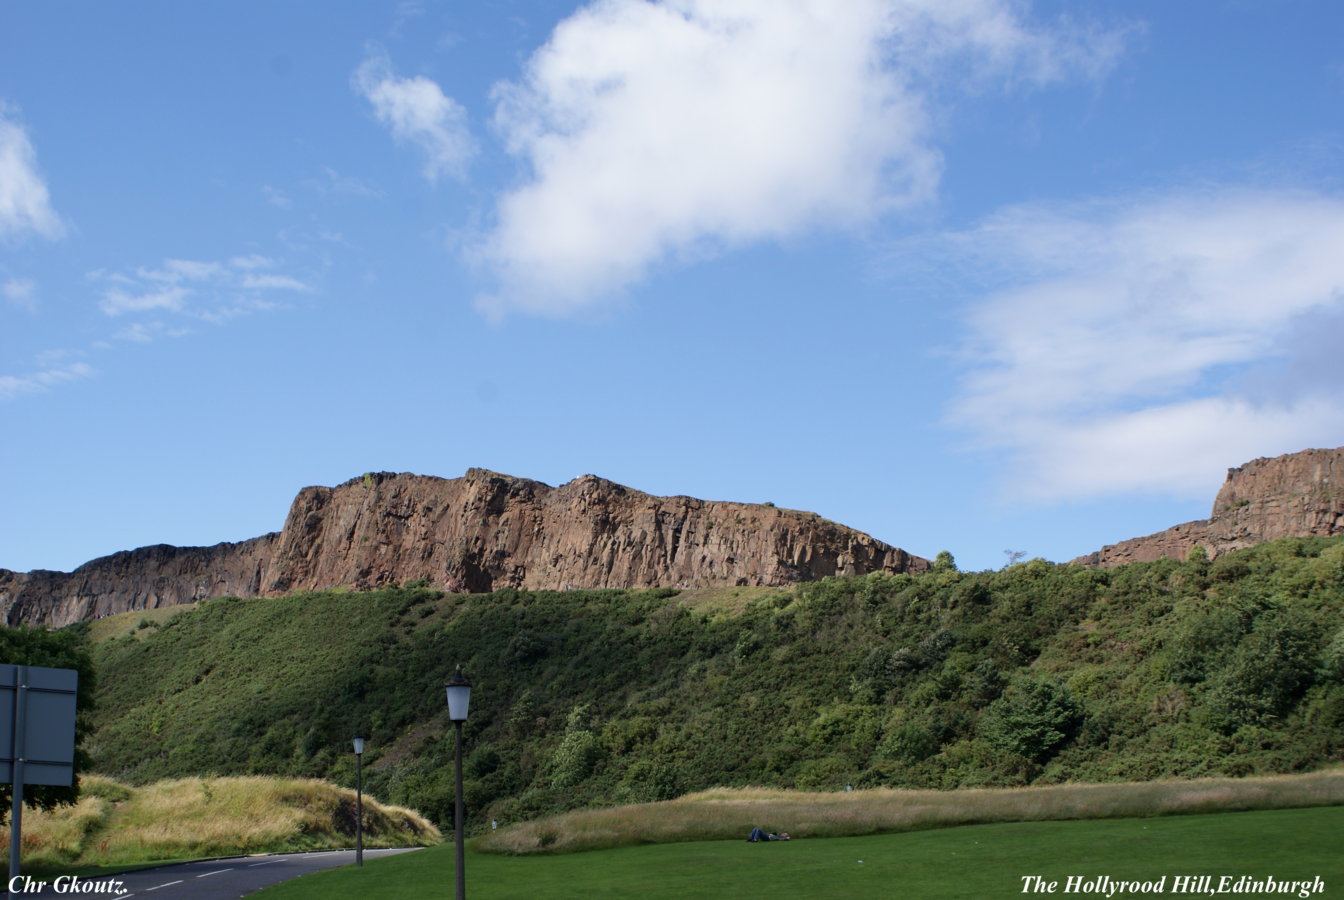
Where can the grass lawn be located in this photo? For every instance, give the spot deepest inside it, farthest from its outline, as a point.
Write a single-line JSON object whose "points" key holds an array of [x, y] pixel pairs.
{"points": [[970, 861]]}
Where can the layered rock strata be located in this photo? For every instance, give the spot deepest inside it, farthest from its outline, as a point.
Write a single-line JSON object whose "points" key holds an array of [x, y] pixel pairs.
{"points": [[481, 532], [1296, 495]]}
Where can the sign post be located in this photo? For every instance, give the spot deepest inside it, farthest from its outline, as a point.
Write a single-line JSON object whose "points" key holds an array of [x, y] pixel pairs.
{"points": [[37, 736]]}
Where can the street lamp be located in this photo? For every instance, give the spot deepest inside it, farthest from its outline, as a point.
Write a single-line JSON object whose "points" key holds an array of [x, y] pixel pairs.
{"points": [[359, 799], [459, 696]]}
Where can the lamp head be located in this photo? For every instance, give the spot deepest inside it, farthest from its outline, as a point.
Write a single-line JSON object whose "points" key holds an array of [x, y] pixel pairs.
{"points": [[459, 696]]}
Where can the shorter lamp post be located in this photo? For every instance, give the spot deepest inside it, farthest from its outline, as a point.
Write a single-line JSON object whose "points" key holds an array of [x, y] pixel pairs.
{"points": [[459, 696], [359, 799]]}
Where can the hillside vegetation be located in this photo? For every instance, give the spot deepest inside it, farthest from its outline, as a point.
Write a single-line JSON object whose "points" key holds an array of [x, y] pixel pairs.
{"points": [[115, 824], [1036, 674]]}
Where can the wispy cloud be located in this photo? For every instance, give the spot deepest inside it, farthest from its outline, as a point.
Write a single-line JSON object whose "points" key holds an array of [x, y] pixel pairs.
{"points": [[12, 386], [20, 293], [118, 302], [208, 290], [655, 132], [417, 112], [254, 282], [1139, 345], [147, 332], [25, 205], [406, 12], [276, 197], [334, 183], [211, 291], [151, 303]]}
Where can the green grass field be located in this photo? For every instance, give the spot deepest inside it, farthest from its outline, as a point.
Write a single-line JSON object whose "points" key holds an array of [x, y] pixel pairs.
{"points": [[972, 861]]}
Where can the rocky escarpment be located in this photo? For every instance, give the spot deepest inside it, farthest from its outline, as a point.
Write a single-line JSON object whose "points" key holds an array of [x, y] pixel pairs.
{"points": [[481, 532], [146, 578], [1296, 495]]}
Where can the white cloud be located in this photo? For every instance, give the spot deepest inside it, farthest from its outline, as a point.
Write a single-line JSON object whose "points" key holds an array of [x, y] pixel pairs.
{"points": [[20, 292], [25, 206], [407, 11], [1144, 346], [276, 197], [117, 302], [12, 386], [50, 358], [334, 183], [416, 111], [657, 131], [147, 332], [173, 271], [252, 261], [273, 282], [207, 290]]}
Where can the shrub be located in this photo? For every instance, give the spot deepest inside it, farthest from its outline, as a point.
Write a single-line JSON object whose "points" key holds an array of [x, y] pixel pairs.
{"points": [[1032, 719], [1266, 674]]}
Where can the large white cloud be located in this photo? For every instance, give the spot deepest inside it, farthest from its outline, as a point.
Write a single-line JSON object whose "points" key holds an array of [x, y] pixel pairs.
{"points": [[1145, 345], [25, 205], [653, 131]]}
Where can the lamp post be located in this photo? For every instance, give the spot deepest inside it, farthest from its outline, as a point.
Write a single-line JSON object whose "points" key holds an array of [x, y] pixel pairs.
{"points": [[359, 799], [459, 696]]}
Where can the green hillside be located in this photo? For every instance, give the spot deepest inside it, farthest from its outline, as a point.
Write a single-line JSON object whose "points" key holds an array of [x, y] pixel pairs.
{"points": [[1035, 674]]}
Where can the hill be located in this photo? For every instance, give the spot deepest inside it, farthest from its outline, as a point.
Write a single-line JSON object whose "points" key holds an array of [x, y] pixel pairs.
{"points": [[1035, 674], [1296, 495], [477, 533], [486, 531]]}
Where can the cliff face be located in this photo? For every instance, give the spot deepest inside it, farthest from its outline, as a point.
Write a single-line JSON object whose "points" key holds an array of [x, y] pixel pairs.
{"points": [[481, 532], [1296, 495], [146, 578]]}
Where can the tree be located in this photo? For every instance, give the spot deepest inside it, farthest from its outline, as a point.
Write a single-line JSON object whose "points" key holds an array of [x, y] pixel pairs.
{"points": [[1032, 719], [944, 562], [62, 649], [1264, 676]]}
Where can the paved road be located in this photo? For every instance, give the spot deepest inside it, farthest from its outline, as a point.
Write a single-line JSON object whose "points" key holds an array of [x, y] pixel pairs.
{"points": [[215, 879]]}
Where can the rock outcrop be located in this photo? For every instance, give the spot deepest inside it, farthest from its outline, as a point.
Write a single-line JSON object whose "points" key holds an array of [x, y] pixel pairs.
{"points": [[1296, 495], [481, 532]]}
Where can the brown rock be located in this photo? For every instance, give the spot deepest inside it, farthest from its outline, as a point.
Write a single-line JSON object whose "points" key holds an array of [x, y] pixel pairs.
{"points": [[481, 532], [1296, 495]]}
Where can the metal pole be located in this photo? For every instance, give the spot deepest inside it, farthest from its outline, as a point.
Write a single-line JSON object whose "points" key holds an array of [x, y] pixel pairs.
{"points": [[457, 819], [359, 809], [20, 739]]}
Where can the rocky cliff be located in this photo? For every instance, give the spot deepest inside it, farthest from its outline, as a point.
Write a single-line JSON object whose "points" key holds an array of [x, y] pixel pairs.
{"points": [[481, 532], [1296, 495]]}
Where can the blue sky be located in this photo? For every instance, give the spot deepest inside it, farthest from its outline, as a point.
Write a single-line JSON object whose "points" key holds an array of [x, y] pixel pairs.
{"points": [[981, 276]]}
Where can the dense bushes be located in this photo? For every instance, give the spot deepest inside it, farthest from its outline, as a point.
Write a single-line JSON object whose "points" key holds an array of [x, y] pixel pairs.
{"points": [[1035, 673], [54, 650]]}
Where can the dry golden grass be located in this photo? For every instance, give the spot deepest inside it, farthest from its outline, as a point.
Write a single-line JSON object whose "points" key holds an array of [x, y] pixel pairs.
{"points": [[724, 600], [730, 813], [191, 817], [128, 623]]}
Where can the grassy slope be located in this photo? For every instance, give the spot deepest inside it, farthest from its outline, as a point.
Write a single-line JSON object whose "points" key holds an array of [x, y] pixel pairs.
{"points": [[726, 813], [113, 824], [985, 861], [1037, 674]]}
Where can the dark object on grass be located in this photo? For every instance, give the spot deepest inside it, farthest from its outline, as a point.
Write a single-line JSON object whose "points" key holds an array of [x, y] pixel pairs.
{"points": [[757, 835]]}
